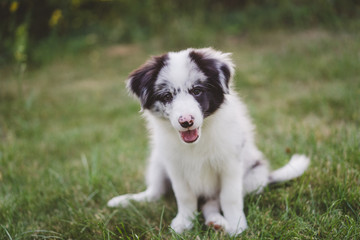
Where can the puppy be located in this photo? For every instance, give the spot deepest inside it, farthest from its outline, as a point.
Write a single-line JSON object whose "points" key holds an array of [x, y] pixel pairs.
{"points": [[202, 139]]}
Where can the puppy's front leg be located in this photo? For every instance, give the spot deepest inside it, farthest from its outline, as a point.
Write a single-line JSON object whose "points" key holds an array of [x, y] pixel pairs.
{"points": [[187, 204], [156, 185], [231, 199]]}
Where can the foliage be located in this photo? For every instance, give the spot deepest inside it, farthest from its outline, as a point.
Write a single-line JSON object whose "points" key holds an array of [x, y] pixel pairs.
{"points": [[52, 25], [73, 138]]}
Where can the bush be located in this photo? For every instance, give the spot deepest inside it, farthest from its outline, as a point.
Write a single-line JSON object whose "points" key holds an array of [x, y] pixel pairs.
{"points": [[37, 23]]}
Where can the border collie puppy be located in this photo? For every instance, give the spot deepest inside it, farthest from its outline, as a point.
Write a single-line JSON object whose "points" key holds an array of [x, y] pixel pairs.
{"points": [[202, 140]]}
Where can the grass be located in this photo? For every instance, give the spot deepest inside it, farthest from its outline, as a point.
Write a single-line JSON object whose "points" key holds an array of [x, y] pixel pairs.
{"points": [[72, 138]]}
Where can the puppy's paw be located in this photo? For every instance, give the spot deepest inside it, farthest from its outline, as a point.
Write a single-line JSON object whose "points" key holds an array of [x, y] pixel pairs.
{"points": [[236, 229], [217, 222], [120, 201], [179, 224]]}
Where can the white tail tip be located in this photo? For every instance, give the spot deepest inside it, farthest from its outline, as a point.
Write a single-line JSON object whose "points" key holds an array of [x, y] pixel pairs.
{"points": [[293, 169]]}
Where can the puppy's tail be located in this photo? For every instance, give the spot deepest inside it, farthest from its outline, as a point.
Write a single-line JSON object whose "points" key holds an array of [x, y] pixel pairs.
{"points": [[293, 169]]}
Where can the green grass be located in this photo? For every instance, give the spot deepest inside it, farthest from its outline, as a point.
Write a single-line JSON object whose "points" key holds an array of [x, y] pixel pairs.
{"points": [[71, 138]]}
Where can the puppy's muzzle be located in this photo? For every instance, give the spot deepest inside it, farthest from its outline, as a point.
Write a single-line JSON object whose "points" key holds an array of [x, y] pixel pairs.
{"points": [[186, 121]]}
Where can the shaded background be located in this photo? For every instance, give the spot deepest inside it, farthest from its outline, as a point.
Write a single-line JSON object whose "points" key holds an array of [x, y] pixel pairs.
{"points": [[36, 31]]}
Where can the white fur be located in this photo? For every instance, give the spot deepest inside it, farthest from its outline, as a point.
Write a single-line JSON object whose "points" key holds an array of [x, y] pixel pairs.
{"points": [[295, 168], [218, 166]]}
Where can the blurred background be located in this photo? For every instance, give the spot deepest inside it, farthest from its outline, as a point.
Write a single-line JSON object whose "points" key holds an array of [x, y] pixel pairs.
{"points": [[36, 31]]}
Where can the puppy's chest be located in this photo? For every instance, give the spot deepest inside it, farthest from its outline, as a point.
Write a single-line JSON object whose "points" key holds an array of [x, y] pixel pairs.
{"points": [[203, 179]]}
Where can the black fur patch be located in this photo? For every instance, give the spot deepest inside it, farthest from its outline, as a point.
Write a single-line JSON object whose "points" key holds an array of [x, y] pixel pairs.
{"points": [[226, 71], [142, 80], [213, 93], [256, 164]]}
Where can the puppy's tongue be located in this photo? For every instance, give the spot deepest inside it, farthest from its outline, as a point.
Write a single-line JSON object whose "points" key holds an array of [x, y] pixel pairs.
{"points": [[190, 135]]}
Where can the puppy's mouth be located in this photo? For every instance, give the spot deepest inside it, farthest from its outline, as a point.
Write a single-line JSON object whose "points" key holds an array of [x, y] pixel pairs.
{"points": [[190, 136]]}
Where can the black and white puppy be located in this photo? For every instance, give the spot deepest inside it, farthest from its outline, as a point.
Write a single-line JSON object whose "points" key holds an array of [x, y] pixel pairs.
{"points": [[202, 139]]}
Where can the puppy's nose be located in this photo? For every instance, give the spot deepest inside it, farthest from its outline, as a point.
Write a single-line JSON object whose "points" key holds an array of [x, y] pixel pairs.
{"points": [[186, 121]]}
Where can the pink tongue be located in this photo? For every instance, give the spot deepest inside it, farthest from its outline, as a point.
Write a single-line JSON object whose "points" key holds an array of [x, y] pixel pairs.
{"points": [[190, 135]]}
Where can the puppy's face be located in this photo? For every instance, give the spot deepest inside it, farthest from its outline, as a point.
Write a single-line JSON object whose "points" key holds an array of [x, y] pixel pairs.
{"points": [[184, 87]]}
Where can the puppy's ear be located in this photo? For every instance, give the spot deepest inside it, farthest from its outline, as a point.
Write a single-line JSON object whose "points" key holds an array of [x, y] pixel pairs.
{"points": [[217, 66], [141, 81]]}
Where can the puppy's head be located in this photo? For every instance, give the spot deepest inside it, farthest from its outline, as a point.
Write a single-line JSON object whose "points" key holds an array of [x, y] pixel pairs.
{"points": [[184, 87]]}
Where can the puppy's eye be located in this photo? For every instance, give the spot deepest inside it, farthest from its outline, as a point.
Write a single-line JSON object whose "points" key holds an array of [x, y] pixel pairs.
{"points": [[167, 98], [196, 92]]}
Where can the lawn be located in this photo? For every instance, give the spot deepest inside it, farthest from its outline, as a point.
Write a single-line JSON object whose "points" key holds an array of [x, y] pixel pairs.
{"points": [[71, 138]]}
